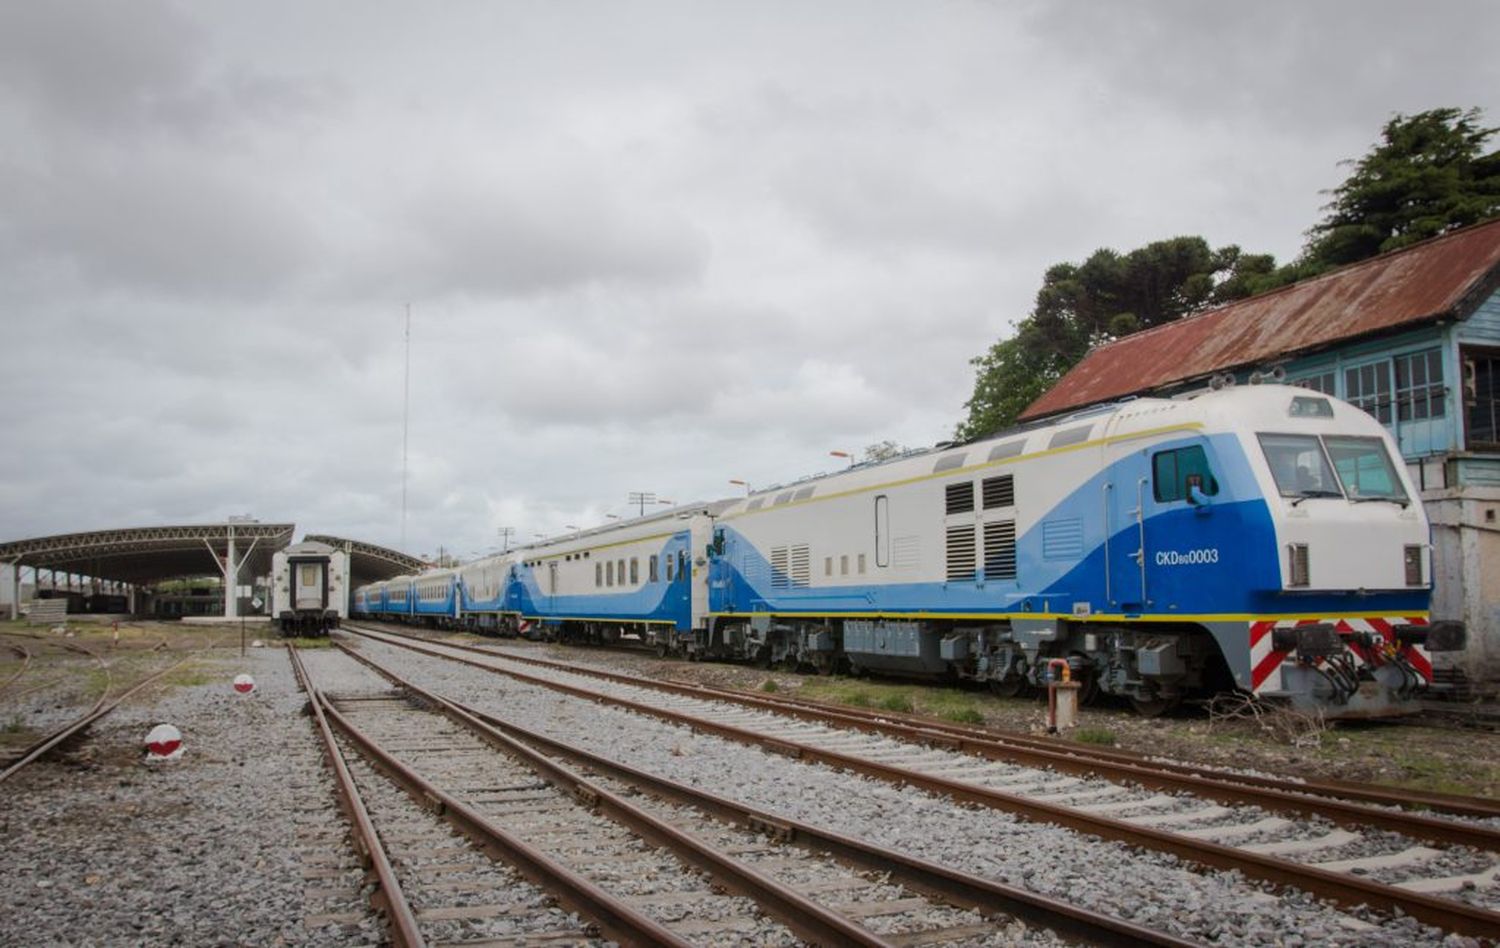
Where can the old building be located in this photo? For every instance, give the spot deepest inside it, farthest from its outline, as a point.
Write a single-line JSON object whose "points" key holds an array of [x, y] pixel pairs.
{"points": [[1413, 337]]}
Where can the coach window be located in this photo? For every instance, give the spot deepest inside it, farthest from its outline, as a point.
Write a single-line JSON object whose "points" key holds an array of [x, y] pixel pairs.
{"points": [[671, 573], [1175, 472], [609, 574], [651, 569], [635, 570], [682, 562], [620, 570], [598, 575]]}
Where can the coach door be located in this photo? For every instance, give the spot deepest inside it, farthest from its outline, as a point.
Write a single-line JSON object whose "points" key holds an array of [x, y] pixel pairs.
{"points": [[551, 583], [309, 590], [1126, 555]]}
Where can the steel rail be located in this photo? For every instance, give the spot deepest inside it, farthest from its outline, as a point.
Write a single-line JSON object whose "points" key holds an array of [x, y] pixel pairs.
{"points": [[615, 919], [1455, 804], [960, 888], [808, 918], [387, 896], [68, 731], [24, 656], [1447, 914], [1329, 799]]}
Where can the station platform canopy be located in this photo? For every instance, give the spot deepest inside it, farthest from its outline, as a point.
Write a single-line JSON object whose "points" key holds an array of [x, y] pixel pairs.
{"points": [[369, 563], [144, 555]]}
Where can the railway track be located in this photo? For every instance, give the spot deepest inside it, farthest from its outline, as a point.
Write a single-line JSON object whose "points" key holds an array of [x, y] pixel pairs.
{"points": [[74, 729], [696, 878], [23, 655], [1386, 863]]}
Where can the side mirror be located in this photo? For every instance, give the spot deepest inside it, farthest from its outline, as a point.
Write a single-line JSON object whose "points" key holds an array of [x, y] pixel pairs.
{"points": [[1195, 495]]}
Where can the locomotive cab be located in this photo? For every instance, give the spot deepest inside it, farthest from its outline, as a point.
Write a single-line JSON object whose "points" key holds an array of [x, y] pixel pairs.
{"points": [[1354, 556]]}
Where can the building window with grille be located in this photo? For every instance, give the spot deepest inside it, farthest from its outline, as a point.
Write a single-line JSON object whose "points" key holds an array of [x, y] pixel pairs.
{"points": [[1419, 385], [1319, 382], [1481, 388], [1368, 387]]}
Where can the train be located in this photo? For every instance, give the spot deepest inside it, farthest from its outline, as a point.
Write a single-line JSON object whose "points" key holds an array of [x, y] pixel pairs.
{"points": [[309, 589], [1261, 539]]}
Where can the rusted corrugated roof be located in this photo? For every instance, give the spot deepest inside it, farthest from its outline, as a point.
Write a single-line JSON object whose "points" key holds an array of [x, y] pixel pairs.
{"points": [[1443, 277]]}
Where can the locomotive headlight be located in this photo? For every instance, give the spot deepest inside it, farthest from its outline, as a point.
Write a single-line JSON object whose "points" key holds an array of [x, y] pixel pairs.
{"points": [[1413, 565]]}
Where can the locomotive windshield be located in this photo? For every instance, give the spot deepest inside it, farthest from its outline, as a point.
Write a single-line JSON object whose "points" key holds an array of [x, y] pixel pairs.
{"points": [[1364, 466], [1359, 468]]}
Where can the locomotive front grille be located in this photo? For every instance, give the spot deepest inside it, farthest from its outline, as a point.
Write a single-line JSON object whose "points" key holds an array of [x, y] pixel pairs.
{"points": [[1298, 565]]}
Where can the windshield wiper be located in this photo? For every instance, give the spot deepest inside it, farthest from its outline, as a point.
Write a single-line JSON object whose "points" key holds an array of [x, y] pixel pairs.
{"points": [[1315, 493], [1375, 500]]}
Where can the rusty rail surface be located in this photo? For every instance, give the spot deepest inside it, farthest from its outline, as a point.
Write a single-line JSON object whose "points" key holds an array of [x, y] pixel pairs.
{"points": [[960, 888], [1447, 914], [24, 656], [1327, 798], [388, 898]]}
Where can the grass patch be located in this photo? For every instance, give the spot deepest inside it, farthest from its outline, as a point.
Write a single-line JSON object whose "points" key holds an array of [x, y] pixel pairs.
{"points": [[1095, 735], [899, 701], [962, 716], [321, 641], [190, 676], [769, 686]]}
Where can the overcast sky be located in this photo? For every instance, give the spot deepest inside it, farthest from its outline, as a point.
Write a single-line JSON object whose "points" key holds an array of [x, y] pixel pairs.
{"points": [[647, 246]]}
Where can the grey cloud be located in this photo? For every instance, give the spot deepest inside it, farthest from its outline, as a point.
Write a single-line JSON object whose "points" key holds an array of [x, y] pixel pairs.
{"points": [[93, 66], [1305, 67]]}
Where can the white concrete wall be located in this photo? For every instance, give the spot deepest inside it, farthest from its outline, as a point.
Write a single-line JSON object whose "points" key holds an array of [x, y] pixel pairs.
{"points": [[1466, 573]]}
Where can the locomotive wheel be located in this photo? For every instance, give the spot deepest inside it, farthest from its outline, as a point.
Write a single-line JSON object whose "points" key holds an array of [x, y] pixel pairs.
{"points": [[1011, 686], [661, 650], [1154, 707]]}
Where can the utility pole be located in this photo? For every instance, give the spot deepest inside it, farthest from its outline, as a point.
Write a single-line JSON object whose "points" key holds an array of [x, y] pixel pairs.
{"points": [[505, 534], [405, 423], [642, 497]]}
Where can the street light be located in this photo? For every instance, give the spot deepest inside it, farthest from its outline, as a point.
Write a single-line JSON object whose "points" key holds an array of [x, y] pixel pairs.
{"points": [[843, 454], [665, 503], [571, 526], [612, 516], [744, 484]]}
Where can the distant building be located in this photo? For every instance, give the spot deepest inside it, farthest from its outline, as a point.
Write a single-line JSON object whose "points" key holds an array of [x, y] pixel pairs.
{"points": [[1412, 337]]}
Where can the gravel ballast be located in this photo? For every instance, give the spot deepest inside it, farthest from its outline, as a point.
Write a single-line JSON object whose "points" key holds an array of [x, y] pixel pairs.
{"points": [[102, 848], [1145, 887]]}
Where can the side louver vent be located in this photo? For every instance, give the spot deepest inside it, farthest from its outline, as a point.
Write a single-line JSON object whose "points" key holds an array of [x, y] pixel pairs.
{"points": [[961, 554], [791, 567], [999, 491], [960, 497], [1000, 550]]}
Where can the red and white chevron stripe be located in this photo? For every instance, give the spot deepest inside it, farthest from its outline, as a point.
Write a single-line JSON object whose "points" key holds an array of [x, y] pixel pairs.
{"points": [[1265, 661]]}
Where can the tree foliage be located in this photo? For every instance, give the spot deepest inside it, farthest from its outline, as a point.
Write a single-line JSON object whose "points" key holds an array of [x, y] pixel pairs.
{"points": [[1427, 175], [1107, 296]]}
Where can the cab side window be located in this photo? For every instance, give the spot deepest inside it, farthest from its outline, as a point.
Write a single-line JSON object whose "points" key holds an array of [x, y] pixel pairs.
{"points": [[1174, 472]]}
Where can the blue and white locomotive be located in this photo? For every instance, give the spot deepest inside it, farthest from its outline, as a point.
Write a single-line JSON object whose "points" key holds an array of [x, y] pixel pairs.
{"points": [[1258, 538]]}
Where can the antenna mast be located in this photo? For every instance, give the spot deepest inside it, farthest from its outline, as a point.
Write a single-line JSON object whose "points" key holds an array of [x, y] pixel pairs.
{"points": [[405, 423]]}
